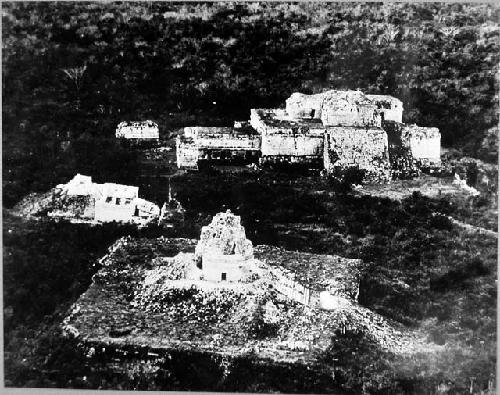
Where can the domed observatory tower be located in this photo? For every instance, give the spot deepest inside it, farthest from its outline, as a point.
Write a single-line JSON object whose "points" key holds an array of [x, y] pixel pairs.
{"points": [[223, 252]]}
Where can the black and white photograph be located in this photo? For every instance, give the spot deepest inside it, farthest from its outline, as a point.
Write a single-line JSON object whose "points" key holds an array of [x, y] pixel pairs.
{"points": [[250, 197]]}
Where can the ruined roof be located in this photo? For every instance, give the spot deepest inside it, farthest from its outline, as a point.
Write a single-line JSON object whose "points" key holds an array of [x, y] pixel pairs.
{"points": [[110, 189], [421, 131], [79, 185], [278, 118], [147, 123], [352, 96], [383, 101], [355, 97], [334, 107]]}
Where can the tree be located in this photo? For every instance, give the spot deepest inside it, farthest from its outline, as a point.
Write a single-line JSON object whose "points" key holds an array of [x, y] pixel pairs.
{"points": [[75, 74]]}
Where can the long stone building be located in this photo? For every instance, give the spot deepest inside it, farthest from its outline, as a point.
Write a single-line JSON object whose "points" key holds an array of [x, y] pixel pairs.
{"points": [[334, 130]]}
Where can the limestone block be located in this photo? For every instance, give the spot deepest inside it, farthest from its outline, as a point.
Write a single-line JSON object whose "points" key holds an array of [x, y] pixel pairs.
{"points": [[424, 143], [331, 302]]}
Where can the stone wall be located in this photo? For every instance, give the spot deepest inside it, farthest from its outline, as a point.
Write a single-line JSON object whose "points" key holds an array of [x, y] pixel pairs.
{"points": [[138, 130], [365, 149], [235, 142], [403, 165], [224, 268], [335, 108], [108, 212], [222, 138], [299, 105], [292, 145], [187, 153], [349, 108], [390, 107], [217, 144], [269, 120], [283, 139], [424, 144], [285, 285], [82, 199]]}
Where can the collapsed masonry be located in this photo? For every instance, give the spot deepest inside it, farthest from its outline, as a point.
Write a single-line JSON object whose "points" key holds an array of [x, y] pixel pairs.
{"points": [[335, 130]]}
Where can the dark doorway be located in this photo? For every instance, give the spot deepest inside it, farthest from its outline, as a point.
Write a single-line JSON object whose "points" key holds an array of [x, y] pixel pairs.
{"points": [[223, 277]]}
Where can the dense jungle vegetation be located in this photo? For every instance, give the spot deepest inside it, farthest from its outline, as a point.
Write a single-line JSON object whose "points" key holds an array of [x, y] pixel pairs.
{"points": [[73, 71]]}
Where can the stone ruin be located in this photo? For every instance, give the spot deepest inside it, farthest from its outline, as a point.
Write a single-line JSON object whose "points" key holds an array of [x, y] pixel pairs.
{"points": [[223, 252], [288, 312], [224, 236], [143, 130], [224, 257], [334, 130], [83, 200]]}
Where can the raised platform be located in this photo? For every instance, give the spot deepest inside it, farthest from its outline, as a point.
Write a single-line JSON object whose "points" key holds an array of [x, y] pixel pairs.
{"points": [[140, 299]]}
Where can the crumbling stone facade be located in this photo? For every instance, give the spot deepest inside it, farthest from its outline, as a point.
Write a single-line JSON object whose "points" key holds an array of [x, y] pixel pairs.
{"points": [[223, 252], [411, 148], [286, 140], [217, 145], [389, 108], [345, 147], [146, 130], [335, 108], [81, 199], [334, 130], [423, 143]]}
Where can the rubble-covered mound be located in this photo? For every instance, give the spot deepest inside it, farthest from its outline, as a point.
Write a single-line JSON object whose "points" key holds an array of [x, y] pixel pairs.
{"points": [[34, 204], [140, 299], [338, 275]]}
